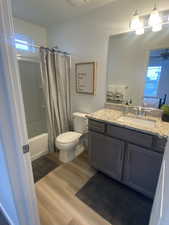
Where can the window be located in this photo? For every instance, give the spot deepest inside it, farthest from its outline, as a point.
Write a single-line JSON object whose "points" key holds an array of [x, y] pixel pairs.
{"points": [[152, 81], [23, 43]]}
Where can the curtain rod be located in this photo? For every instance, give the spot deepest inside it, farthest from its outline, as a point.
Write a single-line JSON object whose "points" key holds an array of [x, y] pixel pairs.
{"points": [[54, 48]]}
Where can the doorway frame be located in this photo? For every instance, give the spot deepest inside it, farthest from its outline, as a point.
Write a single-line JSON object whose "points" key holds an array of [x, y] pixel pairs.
{"points": [[13, 131]]}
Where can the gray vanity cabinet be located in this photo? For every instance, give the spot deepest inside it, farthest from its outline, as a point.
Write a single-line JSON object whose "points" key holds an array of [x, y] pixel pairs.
{"points": [[141, 169], [129, 156], [107, 154]]}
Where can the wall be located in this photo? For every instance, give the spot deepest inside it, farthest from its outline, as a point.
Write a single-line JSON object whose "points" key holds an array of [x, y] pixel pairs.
{"points": [[128, 59], [160, 210], [85, 42], [6, 198], [35, 32]]}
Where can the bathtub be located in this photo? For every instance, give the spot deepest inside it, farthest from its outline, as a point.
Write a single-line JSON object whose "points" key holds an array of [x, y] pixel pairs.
{"points": [[38, 146]]}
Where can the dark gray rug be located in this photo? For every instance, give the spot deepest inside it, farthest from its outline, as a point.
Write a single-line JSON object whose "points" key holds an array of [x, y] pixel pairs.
{"points": [[3, 220], [115, 202], [42, 166]]}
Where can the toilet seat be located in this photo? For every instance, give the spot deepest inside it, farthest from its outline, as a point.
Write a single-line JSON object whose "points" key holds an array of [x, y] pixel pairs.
{"points": [[68, 137]]}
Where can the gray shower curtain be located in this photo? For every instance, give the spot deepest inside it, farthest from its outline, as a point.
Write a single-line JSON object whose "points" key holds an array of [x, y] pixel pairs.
{"points": [[56, 84]]}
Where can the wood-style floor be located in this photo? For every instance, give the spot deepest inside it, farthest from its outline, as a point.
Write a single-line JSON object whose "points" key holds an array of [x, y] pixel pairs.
{"points": [[57, 202]]}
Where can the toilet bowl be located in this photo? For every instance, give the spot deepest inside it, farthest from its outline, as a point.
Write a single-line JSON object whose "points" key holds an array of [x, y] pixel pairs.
{"points": [[68, 143]]}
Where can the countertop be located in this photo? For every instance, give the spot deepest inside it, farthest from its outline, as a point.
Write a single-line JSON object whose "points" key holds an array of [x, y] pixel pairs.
{"points": [[111, 116]]}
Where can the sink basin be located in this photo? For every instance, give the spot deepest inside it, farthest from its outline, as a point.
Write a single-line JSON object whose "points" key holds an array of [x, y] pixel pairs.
{"points": [[138, 121]]}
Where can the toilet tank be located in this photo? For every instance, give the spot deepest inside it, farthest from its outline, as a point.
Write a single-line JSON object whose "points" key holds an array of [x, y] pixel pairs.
{"points": [[80, 122]]}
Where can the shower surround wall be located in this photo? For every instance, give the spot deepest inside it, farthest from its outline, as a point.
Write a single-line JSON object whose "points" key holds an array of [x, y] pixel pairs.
{"points": [[34, 101], [32, 88], [35, 108]]}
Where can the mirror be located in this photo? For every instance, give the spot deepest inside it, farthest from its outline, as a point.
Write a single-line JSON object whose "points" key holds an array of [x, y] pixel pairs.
{"points": [[138, 68], [156, 90]]}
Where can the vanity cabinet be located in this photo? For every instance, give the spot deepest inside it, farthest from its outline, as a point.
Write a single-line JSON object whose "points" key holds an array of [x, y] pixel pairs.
{"points": [[141, 169], [106, 154], [127, 155]]}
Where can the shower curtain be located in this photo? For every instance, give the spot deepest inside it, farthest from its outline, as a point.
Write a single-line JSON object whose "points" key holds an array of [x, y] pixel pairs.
{"points": [[56, 85]]}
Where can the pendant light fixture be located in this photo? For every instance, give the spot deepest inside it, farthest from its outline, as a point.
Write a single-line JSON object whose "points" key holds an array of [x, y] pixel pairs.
{"points": [[136, 24], [155, 20], [140, 29], [135, 21]]}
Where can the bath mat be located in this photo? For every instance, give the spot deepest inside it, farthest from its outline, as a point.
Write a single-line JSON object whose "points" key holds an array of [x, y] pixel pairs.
{"points": [[42, 166], [115, 202]]}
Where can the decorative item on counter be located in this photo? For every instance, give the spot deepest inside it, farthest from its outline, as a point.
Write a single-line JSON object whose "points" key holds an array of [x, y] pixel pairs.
{"points": [[165, 116], [165, 98], [128, 101], [116, 93], [162, 101]]}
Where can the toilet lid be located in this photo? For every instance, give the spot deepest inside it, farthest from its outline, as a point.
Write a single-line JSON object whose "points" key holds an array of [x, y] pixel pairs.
{"points": [[68, 137]]}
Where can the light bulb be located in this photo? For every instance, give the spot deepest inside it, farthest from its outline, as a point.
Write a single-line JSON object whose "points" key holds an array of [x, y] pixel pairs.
{"points": [[140, 29], [156, 27], [135, 22], [154, 18]]}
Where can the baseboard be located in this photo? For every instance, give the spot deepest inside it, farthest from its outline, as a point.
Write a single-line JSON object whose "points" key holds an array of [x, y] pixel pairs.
{"points": [[34, 157], [6, 215]]}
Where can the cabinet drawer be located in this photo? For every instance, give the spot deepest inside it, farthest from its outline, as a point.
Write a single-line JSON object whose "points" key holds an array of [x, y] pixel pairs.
{"points": [[130, 135], [96, 126]]}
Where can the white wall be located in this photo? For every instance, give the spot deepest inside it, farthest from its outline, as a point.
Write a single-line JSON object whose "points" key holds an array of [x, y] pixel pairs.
{"points": [[160, 210], [128, 59], [6, 198], [35, 32], [85, 42]]}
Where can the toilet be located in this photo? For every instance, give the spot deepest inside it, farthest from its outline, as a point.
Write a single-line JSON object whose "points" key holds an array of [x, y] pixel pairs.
{"points": [[69, 143]]}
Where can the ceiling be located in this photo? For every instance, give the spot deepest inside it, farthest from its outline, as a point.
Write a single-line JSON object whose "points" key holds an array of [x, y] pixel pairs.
{"points": [[106, 13], [48, 12]]}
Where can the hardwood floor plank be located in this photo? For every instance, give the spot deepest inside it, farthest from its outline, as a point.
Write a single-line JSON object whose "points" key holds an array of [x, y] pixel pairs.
{"points": [[50, 208], [57, 202]]}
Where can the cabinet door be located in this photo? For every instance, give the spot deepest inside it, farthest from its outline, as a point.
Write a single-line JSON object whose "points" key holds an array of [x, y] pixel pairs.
{"points": [[106, 154], [141, 170]]}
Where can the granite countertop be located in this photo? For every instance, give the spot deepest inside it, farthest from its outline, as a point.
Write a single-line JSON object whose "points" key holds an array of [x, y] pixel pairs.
{"points": [[110, 115]]}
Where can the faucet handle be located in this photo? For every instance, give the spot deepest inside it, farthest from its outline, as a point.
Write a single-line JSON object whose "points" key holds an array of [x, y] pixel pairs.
{"points": [[147, 109]]}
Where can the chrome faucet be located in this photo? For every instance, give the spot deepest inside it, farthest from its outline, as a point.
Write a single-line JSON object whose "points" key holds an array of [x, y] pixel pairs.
{"points": [[137, 110], [142, 111]]}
